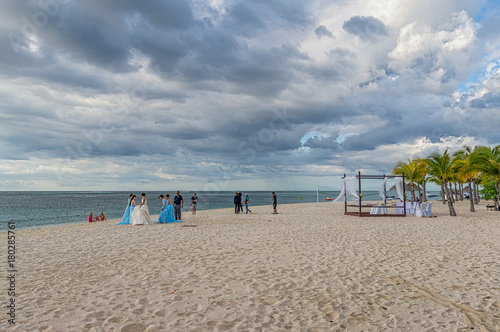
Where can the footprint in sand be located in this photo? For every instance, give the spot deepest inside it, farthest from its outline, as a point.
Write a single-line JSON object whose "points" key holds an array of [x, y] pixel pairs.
{"points": [[136, 327], [161, 312]]}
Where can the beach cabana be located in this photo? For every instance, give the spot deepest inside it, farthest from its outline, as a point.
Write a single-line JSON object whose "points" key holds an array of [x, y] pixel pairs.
{"points": [[372, 210]]}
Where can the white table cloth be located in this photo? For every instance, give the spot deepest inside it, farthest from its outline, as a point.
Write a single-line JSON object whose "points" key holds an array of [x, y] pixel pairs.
{"points": [[378, 209]]}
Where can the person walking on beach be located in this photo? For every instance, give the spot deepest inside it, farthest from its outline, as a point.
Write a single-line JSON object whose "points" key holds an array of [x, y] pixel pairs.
{"points": [[178, 205], [275, 203], [237, 201], [194, 201], [247, 201], [242, 201]]}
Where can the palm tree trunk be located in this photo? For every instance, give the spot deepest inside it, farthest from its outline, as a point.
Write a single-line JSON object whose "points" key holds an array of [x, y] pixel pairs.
{"points": [[498, 191], [450, 203], [475, 193], [461, 188], [471, 200], [424, 198], [450, 191], [412, 192], [443, 194]]}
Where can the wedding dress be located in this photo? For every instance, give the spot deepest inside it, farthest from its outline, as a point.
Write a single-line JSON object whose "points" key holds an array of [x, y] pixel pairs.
{"points": [[140, 215], [167, 214], [170, 213], [162, 218], [127, 216]]}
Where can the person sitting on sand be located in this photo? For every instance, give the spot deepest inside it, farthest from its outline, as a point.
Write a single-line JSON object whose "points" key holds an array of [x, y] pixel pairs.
{"points": [[91, 218], [101, 217]]}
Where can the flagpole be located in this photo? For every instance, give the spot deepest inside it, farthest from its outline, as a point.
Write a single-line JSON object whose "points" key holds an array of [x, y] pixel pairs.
{"points": [[317, 195]]}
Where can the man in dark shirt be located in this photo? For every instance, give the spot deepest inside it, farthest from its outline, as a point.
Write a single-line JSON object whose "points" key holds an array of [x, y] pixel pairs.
{"points": [[194, 202], [237, 202], [275, 203], [178, 205], [242, 201]]}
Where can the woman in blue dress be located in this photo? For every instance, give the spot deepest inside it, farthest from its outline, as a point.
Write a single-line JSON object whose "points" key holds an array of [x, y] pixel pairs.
{"points": [[162, 218], [127, 216], [170, 210]]}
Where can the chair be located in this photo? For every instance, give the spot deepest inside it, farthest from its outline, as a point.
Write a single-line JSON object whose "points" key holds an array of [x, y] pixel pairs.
{"points": [[399, 208], [415, 207], [428, 212], [420, 211], [408, 208]]}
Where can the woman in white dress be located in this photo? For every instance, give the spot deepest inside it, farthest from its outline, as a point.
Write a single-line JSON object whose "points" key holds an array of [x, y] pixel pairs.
{"points": [[140, 215]]}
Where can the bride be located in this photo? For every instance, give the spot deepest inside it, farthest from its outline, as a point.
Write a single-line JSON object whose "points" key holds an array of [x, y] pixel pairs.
{"points": [[140, 215]]}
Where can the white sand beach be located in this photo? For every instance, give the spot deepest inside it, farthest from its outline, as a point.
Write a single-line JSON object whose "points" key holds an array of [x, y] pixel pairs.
{"points": [[309, 268]]}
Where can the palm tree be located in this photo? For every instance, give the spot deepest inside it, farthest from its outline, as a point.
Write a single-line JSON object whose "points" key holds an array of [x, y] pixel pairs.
{"points": [[466, 170], [441, 167], [487, 160], [423, 170], [410, 170]]}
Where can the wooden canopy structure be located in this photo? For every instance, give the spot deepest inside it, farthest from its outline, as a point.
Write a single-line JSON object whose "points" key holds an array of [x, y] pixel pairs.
{"points": [[359, 207]]}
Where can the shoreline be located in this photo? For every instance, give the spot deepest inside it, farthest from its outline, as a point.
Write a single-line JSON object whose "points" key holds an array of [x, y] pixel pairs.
{"points": [[307, 268], [155, 216]]}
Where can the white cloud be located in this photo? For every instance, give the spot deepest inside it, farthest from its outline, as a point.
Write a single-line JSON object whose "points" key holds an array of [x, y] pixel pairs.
{"points": [[435, 51], [166, 92]]}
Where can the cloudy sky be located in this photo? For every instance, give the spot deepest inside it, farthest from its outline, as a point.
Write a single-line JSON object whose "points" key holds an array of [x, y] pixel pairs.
{"points": [[239, 95]]}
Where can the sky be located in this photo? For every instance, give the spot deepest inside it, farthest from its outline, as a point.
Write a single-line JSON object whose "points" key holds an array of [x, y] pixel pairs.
{"points": [[231, 95]]}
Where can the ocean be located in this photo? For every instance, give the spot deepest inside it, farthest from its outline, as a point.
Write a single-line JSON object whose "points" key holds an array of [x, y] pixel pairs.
{"points": [[36, 209]]}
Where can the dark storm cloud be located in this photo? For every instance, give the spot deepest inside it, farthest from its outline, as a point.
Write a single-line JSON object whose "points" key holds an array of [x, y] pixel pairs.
{"points": [[293, 12], [322, 31], [488, 100], [170, 14], [176, 84], [365, 27]]}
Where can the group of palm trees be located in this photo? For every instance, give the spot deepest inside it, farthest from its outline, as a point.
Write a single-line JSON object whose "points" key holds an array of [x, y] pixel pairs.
{"points": [[475, 166]]}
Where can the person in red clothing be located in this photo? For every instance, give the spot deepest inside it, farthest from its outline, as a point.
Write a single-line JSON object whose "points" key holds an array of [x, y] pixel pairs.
{"points": [[90, 217]]}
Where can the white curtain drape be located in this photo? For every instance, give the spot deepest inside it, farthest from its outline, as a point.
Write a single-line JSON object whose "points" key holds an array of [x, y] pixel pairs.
{"points": [[383, 192], [347, 186], [399, 188]]}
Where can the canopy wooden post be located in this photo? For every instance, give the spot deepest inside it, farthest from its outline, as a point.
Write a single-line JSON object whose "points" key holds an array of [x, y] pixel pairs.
{"points": [[345, 195], [404, 194], [385, 192], [359, 176]]}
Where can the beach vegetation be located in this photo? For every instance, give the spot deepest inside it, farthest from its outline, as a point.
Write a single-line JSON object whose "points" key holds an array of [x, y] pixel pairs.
{"points": [[487, 161], [466, 171], [489, 190], [411, 171], [472, 166], [441, 167]]}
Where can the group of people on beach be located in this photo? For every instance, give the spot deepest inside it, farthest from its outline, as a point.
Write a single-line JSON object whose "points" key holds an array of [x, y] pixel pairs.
{"points": [[138, 213], [239, 200], [100, 217]]}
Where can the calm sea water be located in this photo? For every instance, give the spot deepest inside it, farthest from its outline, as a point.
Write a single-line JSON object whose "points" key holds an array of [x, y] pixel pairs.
{"points": [[35, 209]]}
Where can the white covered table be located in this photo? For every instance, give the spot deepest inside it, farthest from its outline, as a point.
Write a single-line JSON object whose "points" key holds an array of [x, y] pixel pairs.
{"points": [[378, 209]]}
